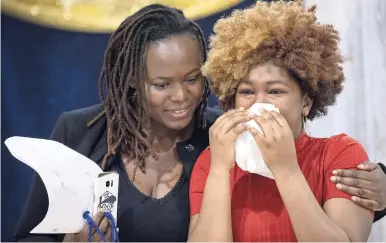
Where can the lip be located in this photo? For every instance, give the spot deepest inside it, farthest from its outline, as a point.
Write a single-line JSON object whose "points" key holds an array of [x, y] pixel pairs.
{"points": [[180, 113]]}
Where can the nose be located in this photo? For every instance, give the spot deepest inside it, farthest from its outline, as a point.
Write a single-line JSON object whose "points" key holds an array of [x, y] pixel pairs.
{"points": [[179, 93], [261, 97]]}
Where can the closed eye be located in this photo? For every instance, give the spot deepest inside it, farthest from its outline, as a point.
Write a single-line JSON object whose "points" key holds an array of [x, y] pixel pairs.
{"points": [[276, 91], [160, 86], [246, 92], [194, 79]]}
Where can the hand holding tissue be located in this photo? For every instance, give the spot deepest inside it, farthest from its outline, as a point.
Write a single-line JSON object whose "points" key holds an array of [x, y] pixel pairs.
{"points": [[248, 155]]}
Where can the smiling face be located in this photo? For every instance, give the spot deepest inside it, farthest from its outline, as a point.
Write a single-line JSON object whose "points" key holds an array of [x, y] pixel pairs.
{"points": [[174, 84], [272, 84]]}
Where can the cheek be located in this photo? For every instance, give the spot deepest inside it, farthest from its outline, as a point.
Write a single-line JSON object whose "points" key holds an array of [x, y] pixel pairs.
{"points": [[155, 98], [243, 101], [292, 113], [196, 90]]}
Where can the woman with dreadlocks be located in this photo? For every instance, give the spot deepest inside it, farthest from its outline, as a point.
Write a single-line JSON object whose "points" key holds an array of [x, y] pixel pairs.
{"points": [[275, 53], [151, 128], [154, 123]]}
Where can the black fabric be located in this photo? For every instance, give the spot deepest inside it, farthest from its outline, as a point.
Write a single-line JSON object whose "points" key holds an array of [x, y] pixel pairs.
{"points": [[140, 217], [380, 214], [383, 167]]}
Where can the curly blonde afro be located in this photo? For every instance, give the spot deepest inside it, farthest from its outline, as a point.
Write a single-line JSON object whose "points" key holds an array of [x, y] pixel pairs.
{"points": [[282, 32]]}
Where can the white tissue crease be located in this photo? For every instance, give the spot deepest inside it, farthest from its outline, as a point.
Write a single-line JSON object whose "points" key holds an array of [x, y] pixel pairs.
{"points": [[248, 156]]}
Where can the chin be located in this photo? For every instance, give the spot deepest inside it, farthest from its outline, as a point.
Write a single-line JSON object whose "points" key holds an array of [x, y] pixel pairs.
{"points": [[180, 125]]}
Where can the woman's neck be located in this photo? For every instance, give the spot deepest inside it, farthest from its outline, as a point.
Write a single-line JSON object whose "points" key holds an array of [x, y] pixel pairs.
{"points": [[163, 139], [299, 130]]}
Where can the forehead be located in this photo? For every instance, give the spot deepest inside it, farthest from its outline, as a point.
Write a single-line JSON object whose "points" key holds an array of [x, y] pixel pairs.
{"points": [[177, 54], [268, 72]]}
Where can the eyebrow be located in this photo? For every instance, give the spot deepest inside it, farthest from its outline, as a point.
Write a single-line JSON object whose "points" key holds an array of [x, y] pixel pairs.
{"points": [[189, 73], [271, 82], [277, 82]]}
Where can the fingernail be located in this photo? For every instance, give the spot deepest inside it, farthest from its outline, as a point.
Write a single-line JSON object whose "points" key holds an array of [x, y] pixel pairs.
{"points": [[334, 172], [241, 108], [354, 198], [339, 186], [333, 178], [361, 166]]}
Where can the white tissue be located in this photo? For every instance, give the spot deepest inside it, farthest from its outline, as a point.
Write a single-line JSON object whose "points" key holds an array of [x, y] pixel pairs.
{"points": [[248, 155]]}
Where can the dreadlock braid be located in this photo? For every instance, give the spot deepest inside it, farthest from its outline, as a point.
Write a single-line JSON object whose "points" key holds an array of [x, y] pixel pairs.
{"points": [[121, 83]]}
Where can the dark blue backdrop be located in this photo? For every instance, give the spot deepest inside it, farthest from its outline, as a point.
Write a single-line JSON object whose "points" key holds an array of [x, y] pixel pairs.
{"points": [[44, 73]]}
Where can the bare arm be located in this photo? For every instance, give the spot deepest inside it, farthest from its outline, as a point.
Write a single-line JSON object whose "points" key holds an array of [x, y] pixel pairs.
{"points": [[213, 201], [214, 222], [339, 220]]}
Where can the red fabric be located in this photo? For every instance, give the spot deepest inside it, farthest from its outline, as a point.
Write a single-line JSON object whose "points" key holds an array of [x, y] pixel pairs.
{"points": [[258, 212]]}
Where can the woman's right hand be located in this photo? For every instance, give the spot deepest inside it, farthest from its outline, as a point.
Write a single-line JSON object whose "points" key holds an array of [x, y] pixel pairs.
{"points": [[222, 138], [103, 224]]}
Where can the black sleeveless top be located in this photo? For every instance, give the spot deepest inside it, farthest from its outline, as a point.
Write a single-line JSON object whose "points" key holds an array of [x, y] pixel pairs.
{"points": [[143, 218]]}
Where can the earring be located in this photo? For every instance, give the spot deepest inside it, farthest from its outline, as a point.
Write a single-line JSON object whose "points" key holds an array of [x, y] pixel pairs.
{"points": [[304, 123]]}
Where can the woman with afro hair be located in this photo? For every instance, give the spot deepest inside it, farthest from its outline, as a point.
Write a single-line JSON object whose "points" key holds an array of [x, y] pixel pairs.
{"points": [[275, 53]]}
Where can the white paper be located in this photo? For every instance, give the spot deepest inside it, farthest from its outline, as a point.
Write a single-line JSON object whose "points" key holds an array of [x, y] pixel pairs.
{"points": [[248, 155], [68, 177]]}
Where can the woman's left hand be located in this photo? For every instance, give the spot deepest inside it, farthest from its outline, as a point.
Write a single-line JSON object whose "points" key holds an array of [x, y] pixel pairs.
{"points": [[277, 144], [367, 185]]}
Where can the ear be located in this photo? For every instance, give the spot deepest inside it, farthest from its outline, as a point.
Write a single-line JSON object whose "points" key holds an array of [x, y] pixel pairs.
{"points": [[307, 104]]}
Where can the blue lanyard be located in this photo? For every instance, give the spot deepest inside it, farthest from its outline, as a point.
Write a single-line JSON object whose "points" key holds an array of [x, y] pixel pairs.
{"points": [[91, 225]]}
